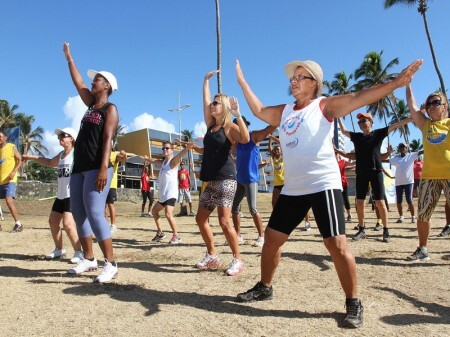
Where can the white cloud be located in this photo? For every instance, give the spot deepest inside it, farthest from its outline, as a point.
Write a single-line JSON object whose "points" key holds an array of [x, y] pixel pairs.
{"points": [[146, 120], [200, 129]]}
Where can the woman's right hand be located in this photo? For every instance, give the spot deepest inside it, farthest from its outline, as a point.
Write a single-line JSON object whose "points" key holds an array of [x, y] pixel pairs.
{"points": [[67, 54], [210, 74]]}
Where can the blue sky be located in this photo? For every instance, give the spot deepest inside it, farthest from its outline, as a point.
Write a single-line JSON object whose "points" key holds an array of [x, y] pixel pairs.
{"points": [[159, 48]]}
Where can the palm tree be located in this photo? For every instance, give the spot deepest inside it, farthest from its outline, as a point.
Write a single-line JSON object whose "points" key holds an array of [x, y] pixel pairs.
{"points": [[31, 140], [120, 131], [219, 53], [415, 145], [187, 135], [401, 113], [422, 9], [8, 115]]}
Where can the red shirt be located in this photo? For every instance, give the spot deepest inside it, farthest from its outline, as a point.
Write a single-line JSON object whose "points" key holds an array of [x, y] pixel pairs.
{"points": [[342, 164], [183, 179], [145, 186], [418, 165]]}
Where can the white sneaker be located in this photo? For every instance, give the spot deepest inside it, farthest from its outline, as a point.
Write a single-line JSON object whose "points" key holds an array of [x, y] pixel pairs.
{"points": [[2, 218], [109, 272], [57, 253], [175, 240], [208, 261], [240, 240], [113, 229], [259, 242], [413, 219], [149, 215], [307, 227], [77, 256], [83, 265], [236, 267]]}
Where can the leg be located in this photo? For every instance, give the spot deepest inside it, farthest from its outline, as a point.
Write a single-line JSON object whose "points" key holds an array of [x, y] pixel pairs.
{"points": [[236, 207], [381, 206], [12, 208], [271, 254], [360, 211], [205, 229], [54, 221], [228, 229], [171, 219], [155, 213], [71, 231], [275, 195], [112, 213], [251, 192]]}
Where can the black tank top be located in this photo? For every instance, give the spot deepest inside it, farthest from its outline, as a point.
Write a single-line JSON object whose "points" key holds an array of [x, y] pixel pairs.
{"points": [[89, 144], [216, 162]]}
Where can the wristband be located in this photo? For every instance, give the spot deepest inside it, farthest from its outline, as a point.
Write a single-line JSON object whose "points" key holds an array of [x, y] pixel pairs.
{"points": [[238, 116]]}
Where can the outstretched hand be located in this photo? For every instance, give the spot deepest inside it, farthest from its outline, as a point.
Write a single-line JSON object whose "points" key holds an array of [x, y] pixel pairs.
{"points": [[239, 73], [234, 105], [407, 74], [210, 74], [66, 49]]}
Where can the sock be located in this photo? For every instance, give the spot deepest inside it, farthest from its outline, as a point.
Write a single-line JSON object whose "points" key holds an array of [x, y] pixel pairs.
{"points": [[379, 221], [18, 223]]}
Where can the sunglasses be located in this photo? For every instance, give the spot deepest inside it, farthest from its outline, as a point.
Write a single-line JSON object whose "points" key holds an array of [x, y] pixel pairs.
{"points": [[435, 103], [167, 148], [215, 103], [362, 121], [299, 78], [63, 135]]}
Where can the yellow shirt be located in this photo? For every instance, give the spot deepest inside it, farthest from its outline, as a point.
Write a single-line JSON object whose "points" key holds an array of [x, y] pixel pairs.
{"points": [[7, 163], [436, 147], [278, 171], [115, 163]]}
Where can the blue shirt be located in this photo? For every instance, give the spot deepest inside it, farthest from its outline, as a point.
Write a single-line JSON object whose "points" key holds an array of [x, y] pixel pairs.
{"points": [[247, 162]]}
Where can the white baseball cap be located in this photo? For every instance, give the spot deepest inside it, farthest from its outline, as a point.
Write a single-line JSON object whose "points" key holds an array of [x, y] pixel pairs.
{"points": [[69, 131], [109, 77]]}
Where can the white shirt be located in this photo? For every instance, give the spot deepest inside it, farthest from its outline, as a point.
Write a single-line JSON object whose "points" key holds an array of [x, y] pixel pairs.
{"points": [[64, 170], [306, 137], [168, 182], [404, 168]]}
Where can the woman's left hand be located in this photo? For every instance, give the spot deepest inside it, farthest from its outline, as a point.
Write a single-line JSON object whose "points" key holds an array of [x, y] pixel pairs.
{"points": [[234, 105], [102, 178]]}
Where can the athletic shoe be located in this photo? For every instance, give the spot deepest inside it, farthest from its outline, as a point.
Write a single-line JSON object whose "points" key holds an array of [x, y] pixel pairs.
{"points": [[17, 229], [259, 242], [149, 215], [356, 228], [108, 273], [400, 220], [56, 254], [349, 218], [2, 218], [113, 229], [158, 237], [355, 314], [77, 256], [421, 254], [378, 227], [142, 215], [83, 265], [258, 293], [191, 214], [360, 235], [307, 227], [209, 261], [236, 267], [445, 231], [386, 236], [175, 240], [413, 219]]}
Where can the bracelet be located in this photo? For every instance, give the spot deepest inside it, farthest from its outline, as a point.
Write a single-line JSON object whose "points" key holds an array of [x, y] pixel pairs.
{"points": [[238, 116]]}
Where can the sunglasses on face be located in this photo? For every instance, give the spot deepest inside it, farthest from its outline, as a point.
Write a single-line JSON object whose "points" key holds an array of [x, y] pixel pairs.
{"points": [[299, 78], [435, 103], [215, 103], [362, 121], [63, 135], [167, 148]]}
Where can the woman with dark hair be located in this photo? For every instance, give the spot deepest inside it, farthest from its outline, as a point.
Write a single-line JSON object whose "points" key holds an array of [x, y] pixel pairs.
{"points": [[147, 191], [92, 170], [219, 171]]}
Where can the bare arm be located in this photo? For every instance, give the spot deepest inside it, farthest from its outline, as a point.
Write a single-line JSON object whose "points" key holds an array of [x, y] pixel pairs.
{"points": [[18, 162], [238, 133], [195, 147], [339, 106], [399, 124], [121, 157], [85, 94], [207, 98], [344, 130], [177, 159], [349, 155], [418, 117], [53, 162], [259, 135], [271, 114]]}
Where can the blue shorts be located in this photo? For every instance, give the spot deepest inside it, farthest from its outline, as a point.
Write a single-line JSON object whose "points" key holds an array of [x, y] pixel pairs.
{"points": [[8, 190], [408, 193]]}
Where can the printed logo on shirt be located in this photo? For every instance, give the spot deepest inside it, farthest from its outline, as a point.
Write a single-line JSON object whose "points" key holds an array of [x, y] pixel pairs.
{"points": [[291, 125], [63, 171], [436, 137], [91, 116], [2, 161], [292, 144]]}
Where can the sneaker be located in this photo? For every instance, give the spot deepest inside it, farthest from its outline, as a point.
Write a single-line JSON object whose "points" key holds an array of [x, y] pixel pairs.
{"points": [[158, 237], [77, 257], [400, 220], [386, 236], [209, 261], [175, 240], [307, 227], [2, 218], [378, 227], [421, 254], [240, 240], [17, 229], [355, 314], [413, 219], [349, 218], [236, 267], [356, 228], [142, 215], [149, 215], [259, 242], [55, 254], [113, 229], [445, 231], [360, 235], [191, 214], [258, 293], [83, 265], [109, 272]]}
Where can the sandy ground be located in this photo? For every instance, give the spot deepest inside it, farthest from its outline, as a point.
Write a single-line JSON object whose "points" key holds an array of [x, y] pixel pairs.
{"points": [[158, 292]]}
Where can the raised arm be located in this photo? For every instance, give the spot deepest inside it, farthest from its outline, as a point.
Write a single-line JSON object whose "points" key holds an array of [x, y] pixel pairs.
{"points": [[259, 135], [339, 106], [416, 113], [146, 159], [344, 130], [85, 94], [238, 133], [207, 98], [271, 114], [399, 124], [177, 159], [195, 147], [53, 162]]}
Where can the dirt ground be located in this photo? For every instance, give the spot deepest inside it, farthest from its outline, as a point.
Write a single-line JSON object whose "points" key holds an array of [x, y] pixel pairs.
{"points": [[158, 292]]}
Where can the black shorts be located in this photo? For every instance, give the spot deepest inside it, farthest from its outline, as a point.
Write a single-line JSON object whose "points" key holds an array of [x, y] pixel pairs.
{"points": [[278, 187], [112, 196], [327, 206], [147, 195], [61, 205], [376, 183], [168, 202]]}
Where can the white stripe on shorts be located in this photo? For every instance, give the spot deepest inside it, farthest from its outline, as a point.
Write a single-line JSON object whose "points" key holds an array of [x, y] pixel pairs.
{"points": [[332, 213]]}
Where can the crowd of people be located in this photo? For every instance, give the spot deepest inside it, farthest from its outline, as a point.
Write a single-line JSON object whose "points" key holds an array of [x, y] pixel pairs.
{"points": [[231, 160]]}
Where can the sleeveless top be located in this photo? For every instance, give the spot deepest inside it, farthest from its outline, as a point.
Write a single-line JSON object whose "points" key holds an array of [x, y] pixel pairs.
{"points": [[247, 162], [306, 138], [216, 161], [436, 147], [64, 170], [89, 143], [7, 163], [168, 182], [278, 171]]}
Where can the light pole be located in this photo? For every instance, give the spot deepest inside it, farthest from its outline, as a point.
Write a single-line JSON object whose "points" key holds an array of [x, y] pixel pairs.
{"points": [[179, 109]]}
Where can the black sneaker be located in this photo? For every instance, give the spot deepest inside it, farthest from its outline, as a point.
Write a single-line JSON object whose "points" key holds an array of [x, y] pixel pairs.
{"points": [[360, 235], [386, 236], [378, 227], [258, 293], [349, 218], [445, 231], [17, 229], [355, 314]]}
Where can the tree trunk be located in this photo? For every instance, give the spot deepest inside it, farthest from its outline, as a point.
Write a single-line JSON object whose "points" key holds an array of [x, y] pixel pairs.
{"points": [[219, 56]]}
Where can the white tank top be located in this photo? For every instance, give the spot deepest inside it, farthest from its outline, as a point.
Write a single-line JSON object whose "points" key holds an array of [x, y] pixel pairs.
{"points": [[168, 182], [306, 137], [64, 170]]}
